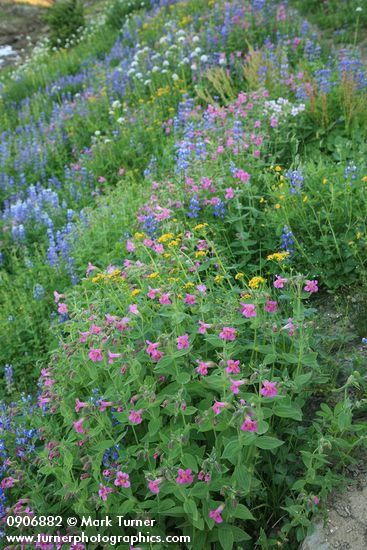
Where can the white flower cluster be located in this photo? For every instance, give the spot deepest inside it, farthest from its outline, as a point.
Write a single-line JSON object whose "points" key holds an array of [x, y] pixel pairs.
{"points": [[282, 107]]}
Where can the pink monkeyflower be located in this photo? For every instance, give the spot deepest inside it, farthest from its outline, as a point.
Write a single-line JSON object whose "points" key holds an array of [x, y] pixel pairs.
{"points": [[190, 299], [269, 389], [273, 122], [104, 404], [290, 327], [243, 176], [7, 482], [235, 384], [112, 356], [183, 341], [248, 310], [154, 485], [228, 334], [271, 306], [184, 477], [95, 329], [103, 491], [311, 286], [77, 546], [151, 347], [122, 325], [280, 282], [203, 327], [95, 354], [218, 406], [165, 300], [215, 515], [233, 367], [101, 179], [57, 296], [121, 171], [135, 417], [130, 247], [90, 268], [201, 288], [249, 425], [63, 308], [158, 248], [133, 308], [202, 368], [229, 193], [152, 293], [78, 426], [79, 405], [122, 480]]}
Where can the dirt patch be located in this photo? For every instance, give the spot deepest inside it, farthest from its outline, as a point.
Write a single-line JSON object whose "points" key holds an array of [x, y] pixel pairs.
{"points": [[21, 26], [345, 528]]}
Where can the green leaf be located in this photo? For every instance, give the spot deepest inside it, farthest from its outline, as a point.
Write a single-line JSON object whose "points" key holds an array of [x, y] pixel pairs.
{"points": [[189, 461], [225, 536], [183, 378], [266, 442], [241, 511], [231, 451], [191, 509], [287, 411]]}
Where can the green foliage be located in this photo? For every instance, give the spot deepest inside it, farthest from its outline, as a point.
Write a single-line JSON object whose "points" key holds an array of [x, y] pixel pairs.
{"points": [[66, 20], [118, 10]]}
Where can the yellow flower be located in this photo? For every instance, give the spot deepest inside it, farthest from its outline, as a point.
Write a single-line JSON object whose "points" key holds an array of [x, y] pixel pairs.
{"points": [[245, 296], [239, 276], [165, 237], [281, 178], [277, 206], [281, 197], [305, 198], [358, 235], [324, 181], [218, 278], [136, 292], [174, 243], [364, 178], [189, 285], [278, 256], [255, 282], [200, 253], [278, 169], [200, 226], [153, 275], [262, 199], [167, 255], [139, 236]]}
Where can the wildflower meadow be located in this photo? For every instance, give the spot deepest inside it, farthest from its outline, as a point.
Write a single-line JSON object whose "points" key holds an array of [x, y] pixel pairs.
{"points": [[183, 273]]}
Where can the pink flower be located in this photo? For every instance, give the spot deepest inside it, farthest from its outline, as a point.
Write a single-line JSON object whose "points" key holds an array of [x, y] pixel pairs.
{"points": [[202, 368], [190, 299], [57, 296], [271, 306], [218, 406], [235, 384], [103, 491], [280, 282], [112, 356], [311, 286], [152, 294], [165, 300], [95, 354], [154, 485], [233, 366], [229, 193], [228, 334], [183, 342], [201, 288], [133, 308], [273, 122], [184, 477], [90, 268], [78, 426], [215, 515], [269, 389], [122, 480], [203, 327], [79, 405], [104, 404], [135, 417], [63, 308], [249, 425], [248, 310], [290, 327], [243, 176], [7, 482], [130, 247]]}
